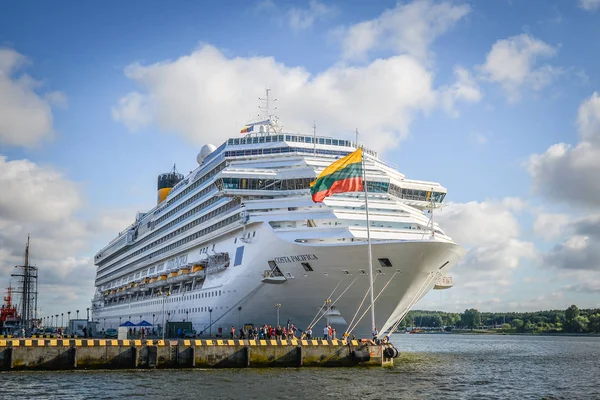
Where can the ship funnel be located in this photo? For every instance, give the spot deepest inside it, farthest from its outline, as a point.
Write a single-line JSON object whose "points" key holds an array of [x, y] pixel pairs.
{"points": [[166, 182]]}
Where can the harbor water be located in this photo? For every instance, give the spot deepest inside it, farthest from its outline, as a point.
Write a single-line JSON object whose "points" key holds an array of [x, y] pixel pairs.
{"points": [[432, 366]]}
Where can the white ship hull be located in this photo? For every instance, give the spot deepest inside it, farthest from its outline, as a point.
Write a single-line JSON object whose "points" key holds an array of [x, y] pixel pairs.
{"points": [[336, 275]]}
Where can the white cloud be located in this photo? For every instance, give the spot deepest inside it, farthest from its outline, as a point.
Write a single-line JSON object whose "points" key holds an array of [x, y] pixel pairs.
{"points": [[207, 97], [588, 119], [464, 89], [480, 138], [31, 192], [512, 63], [57, 98], [488, 268], [405, 29], [550, 226], [569, 174], [40, 201], [580, 251], [477, 224], [304, 18], [589, 5], [133, 111], [265, 5], [490, 231], [26, 117]]}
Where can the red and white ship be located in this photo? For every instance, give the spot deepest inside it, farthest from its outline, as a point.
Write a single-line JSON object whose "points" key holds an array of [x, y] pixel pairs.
{"points": [[9, 317]]}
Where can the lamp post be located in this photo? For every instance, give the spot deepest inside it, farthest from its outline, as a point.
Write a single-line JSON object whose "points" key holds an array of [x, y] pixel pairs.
{"points": [[140, 318], [88, 313], [153, 315], [277, 306], [104, 325], [210, 323], [62, 319], [52, 320], [77, 314], [120, 321], [327, 302], [68, 316], [164, 297], [57, 320], [186, 315], [239, 317]]}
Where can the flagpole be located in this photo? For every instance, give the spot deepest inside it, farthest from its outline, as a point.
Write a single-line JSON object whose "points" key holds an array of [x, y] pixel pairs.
{"points": [[373, 326]]}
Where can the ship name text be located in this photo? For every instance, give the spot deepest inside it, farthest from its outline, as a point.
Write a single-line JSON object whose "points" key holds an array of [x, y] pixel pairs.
{"points": [[293, 259], [177, 261]]}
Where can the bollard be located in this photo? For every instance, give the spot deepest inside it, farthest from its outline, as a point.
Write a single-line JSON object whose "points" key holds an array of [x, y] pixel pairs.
{"points": [[299, 356], [247, 356], [6, 359], [73, 357]]}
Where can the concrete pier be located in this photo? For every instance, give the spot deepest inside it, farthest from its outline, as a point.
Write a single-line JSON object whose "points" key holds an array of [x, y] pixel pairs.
{"points": [[57, 354]]}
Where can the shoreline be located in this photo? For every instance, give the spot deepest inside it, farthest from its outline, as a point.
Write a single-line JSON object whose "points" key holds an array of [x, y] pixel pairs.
{"points": [[481, 332]]}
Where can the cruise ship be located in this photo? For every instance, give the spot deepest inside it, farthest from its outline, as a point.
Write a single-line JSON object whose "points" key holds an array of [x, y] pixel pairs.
{"points": [[239, 241]]}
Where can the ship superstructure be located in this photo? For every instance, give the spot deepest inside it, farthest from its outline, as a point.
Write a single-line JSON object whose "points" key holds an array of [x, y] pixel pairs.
{"points": [[9, 316], [239, 240]]}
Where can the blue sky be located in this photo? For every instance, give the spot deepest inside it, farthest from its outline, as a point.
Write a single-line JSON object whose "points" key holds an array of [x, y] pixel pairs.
{"points": [[98, 98]]}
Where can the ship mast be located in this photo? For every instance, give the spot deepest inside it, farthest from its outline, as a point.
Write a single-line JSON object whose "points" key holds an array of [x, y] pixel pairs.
{"points": [[265, 108], [28, 289], [370, 251]]}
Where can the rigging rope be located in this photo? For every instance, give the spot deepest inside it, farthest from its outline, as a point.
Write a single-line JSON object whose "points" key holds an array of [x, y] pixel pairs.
{"points": [[331, 294], [335, 301], [361, 304], [414, 300], [368, 308]]}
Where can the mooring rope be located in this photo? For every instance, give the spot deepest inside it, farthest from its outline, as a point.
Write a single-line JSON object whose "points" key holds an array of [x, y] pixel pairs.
{"points": [[361, 304], [413, 301], [374, 300], [335, 301], [324, 302]]}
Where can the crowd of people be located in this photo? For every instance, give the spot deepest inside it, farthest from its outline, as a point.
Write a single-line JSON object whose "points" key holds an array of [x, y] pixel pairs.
{"points": [[288, 331]]}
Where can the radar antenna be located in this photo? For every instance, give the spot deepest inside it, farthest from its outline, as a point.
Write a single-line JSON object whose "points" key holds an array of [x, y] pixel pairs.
{"points": [[265, 108], [268, 112]]}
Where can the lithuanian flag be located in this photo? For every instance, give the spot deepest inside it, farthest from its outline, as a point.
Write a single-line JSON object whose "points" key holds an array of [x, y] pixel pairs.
{"points": [[344, 175]]}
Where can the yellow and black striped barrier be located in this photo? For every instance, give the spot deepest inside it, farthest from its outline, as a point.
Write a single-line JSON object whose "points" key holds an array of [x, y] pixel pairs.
{"points": [[43, 342]]}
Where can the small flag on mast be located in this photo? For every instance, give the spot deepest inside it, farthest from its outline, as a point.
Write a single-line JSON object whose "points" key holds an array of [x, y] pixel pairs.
{"points": [[247, 129], [250, 127], [344, 175]]}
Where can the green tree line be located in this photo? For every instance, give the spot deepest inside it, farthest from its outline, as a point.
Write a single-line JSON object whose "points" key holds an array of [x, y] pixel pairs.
{"points": [[571, 320]]}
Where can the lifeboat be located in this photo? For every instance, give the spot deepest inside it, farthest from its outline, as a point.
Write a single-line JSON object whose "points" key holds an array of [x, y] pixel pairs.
{"points": [[135, 287], [181, 275], [217, 263], [143, 284], [171, 276], [198, 270], [157, 281]]}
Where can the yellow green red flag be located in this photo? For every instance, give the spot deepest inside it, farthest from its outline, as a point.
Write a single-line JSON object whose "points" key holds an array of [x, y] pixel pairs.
{"points": [[344, 175]]}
